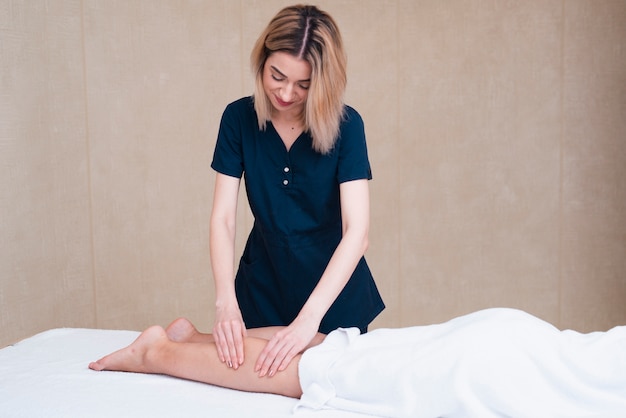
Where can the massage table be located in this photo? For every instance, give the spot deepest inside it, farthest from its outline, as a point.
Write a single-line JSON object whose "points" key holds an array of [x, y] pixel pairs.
{"points": [[490, 363]]}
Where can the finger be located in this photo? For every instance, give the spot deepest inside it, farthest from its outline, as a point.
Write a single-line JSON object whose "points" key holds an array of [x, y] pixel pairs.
{"points": [[263, 357], [288, 358], [239, 332], [223, 342], [231, 349], [218, 335], [266, 358], [281, 358], [235, 345], [274, 359]]}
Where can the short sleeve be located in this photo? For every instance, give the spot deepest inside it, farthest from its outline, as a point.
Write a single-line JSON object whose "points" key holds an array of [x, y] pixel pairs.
{"points": [[228, 154], [353, 158]]}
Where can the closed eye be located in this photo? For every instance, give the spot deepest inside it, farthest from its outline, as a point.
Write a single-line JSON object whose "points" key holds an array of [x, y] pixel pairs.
{"points": [[277, 75]]}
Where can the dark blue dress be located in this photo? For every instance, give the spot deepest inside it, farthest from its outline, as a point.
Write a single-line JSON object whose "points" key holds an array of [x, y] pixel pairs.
{"points": [[294, 197]]}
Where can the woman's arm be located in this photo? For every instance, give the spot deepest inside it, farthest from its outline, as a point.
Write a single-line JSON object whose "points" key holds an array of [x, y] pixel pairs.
{"points": [[229, 328], [288, 342]]}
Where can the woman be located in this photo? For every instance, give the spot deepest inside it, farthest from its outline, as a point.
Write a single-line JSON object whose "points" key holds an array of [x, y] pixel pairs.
{"points": [[491, 363], [303, 155]]}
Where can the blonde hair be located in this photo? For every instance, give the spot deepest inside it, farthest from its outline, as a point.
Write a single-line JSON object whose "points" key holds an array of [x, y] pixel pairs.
{"points": [[311, 34]]}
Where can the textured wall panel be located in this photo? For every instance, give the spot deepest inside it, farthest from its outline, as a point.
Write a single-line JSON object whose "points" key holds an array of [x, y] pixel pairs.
{"points": [[495, 129], [594, 165], [158, 74], [45, 236], [479, 138]]}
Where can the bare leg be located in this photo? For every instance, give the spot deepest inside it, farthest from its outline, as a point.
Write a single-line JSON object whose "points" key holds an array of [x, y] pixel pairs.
{"points": [[154, 352], [267, 333], [182, 330]]}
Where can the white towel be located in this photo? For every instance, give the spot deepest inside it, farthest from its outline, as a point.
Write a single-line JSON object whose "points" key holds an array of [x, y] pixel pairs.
{"points": [[492, 363]]}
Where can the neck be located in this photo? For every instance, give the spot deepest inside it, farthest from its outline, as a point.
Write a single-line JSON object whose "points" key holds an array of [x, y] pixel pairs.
{"points": [[288, 116], [292, 121]]}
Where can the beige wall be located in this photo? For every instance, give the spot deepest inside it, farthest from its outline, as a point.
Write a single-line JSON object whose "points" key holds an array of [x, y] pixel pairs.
{"points": [[496, 133]]}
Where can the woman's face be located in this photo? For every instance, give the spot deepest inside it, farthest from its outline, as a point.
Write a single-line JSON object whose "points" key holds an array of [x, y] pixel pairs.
{"points": [[286, 81]]}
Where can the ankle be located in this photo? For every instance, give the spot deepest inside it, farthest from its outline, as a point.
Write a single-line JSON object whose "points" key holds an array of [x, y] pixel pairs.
{"points": [[156, 344]]}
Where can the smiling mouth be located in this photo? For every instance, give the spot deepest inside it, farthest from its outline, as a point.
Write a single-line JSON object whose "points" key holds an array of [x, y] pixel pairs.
{"points": [[282, 103]]}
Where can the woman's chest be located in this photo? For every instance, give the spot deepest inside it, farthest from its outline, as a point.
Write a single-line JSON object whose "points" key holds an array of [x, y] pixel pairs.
{"points": [[268, 165]]}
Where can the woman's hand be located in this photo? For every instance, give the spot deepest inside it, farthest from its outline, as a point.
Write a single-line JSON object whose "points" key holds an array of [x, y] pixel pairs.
{"points": [[284, 346], [228, 332]]}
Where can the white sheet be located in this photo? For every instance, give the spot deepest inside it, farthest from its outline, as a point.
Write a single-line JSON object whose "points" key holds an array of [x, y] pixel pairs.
{"points": [[493, 363], [47, 376]]}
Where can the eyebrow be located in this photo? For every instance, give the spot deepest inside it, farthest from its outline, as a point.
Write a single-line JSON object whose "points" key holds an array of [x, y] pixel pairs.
{"points": [[308, 80]]}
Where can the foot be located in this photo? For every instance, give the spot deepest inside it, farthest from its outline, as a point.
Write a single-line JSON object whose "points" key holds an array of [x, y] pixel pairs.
{"points": [[183, 331], [133, 358]]}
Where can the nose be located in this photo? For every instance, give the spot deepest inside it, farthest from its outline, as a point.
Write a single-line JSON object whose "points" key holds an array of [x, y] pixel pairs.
{"points": [[287, 92]]}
